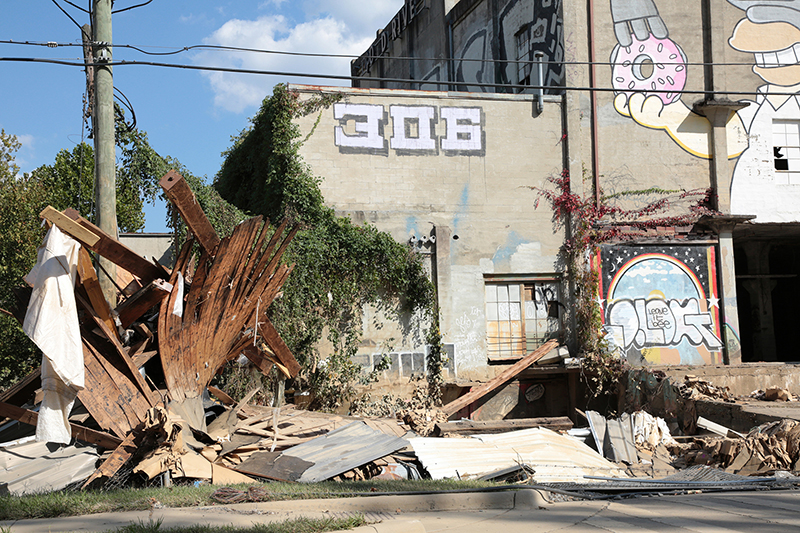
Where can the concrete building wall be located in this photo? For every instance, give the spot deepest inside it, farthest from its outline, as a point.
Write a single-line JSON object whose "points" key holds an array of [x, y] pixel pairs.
{"points": [[658, 96], [470, 41], [461, 173]]}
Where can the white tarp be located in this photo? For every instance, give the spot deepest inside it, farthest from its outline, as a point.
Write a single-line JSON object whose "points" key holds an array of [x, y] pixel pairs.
{"points": [[52, 323]]}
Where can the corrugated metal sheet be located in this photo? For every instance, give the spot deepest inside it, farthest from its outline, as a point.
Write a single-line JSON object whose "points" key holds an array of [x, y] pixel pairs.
{"points": [[554, 457], [343, 449], [38, 467]]}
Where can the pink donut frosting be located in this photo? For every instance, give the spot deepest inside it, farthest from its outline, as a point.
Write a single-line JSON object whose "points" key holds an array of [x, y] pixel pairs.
{"points": [[663, 57]]}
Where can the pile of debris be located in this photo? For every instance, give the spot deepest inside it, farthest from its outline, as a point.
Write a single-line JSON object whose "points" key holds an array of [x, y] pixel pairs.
{"points": [[774, 394], [765, 449], [187, 322], [694, 388]]}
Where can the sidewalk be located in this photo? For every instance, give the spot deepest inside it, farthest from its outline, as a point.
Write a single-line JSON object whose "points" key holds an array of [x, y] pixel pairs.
{"points": [[509, 512]]}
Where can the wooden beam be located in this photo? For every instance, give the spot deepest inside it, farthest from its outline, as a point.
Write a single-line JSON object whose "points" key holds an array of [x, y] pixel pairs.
{"points": [[182, 197], [69, 226], [558, 423], [275, 342], [115, 251], [479, 392], [81, 433], [88, 278], [24, 390], [258, 358], [134, 307], [116, 460]]}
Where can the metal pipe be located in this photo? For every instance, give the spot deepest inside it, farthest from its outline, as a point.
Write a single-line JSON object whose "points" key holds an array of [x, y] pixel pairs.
{"points": [[593, 98], [538, 55]]}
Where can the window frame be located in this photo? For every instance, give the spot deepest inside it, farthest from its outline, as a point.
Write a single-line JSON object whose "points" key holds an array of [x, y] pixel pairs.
{"points": [[789, 142], [501, 326]]}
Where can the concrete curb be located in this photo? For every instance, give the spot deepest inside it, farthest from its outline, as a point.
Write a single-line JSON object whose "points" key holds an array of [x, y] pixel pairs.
{"points": [[412, 503], [412, 526], [373, 507]]}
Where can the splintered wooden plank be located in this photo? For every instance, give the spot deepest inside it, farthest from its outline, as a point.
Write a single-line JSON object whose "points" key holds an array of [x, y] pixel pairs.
{"points": [[88, 278], [116, 252], [220, 395], [222, 302], [81, 433], [558, 423], [116, 353], [115, 461], [24, 390], [134, 307], [481, 391], [182, 197], [110, 395], [276, 344], [140, 359], [258, 358], [69, 226]]}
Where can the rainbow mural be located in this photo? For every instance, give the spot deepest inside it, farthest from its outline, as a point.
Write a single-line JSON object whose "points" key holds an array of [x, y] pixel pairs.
{"points": [[660, 304]]}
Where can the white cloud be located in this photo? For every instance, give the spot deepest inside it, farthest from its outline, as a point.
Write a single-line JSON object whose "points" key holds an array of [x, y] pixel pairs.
{"points": [[362, 20], [331, 27], [268, 3]]}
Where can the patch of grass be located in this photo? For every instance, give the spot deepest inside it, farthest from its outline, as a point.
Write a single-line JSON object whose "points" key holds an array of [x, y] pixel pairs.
{"points": [[292, 525], [75, 503]]}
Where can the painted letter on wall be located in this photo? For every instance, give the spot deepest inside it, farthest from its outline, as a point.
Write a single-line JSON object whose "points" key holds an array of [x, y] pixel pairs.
{"points": [[368, 121], [413, 130]]}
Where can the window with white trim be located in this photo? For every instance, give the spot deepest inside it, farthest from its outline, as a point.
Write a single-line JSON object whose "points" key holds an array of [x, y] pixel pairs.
{"points": [[521, 315], [786, 151]]}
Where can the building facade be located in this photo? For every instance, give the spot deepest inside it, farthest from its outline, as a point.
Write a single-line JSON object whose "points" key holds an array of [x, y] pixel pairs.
{"points": [[637, 99]]}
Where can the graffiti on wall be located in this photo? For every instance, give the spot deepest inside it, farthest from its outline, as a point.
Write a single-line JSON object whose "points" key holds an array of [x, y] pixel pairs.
{"points": [[650, 69], [524, 28], [470, 349], [394, 30], [365, 128], [660, 303]]}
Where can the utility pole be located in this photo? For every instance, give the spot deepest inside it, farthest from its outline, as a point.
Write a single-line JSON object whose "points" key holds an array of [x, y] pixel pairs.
{"points": [[104, 142]]}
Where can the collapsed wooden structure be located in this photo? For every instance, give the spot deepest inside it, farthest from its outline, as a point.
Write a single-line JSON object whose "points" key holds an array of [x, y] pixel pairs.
{"points": [[220, 315]]}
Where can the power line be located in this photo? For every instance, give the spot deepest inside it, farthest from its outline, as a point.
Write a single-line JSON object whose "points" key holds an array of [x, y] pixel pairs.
{"points": [[76, 6], [552, 88], [139, 48], [131, 7], [67, 14]]}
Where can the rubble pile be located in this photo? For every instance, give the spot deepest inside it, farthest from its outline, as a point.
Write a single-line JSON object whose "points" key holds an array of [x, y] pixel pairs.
{"points": [[185, 324], [140, 380], [767, 448], [774, 394], [694, 388], [417, 412]]}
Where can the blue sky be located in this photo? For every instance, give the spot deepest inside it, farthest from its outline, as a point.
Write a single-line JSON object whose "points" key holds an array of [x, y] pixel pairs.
{"points": [[187, 114]]}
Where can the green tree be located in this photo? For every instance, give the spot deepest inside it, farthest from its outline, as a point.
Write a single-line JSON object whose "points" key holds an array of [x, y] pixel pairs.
{"points": [[70, 179], [21, 200], [68, 182]]}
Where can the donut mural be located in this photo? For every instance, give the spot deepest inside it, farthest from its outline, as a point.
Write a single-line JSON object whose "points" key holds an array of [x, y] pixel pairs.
{"points": [[649, 70], [653, 66], [660, 303]]}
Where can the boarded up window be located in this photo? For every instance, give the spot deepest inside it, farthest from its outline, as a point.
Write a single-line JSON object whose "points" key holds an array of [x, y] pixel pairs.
{"points": [[520, 316]]}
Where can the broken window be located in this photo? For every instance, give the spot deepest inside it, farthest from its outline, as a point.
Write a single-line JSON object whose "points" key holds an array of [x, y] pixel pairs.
{"points": [[786, 150], [521, 315]]}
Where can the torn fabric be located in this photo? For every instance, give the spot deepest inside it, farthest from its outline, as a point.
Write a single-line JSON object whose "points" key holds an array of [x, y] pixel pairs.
{"points": [[52, 323]]}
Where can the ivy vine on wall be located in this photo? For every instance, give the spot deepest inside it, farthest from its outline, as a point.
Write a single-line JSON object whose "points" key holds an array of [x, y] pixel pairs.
{"points": [[591, 222], [340, 266]]}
